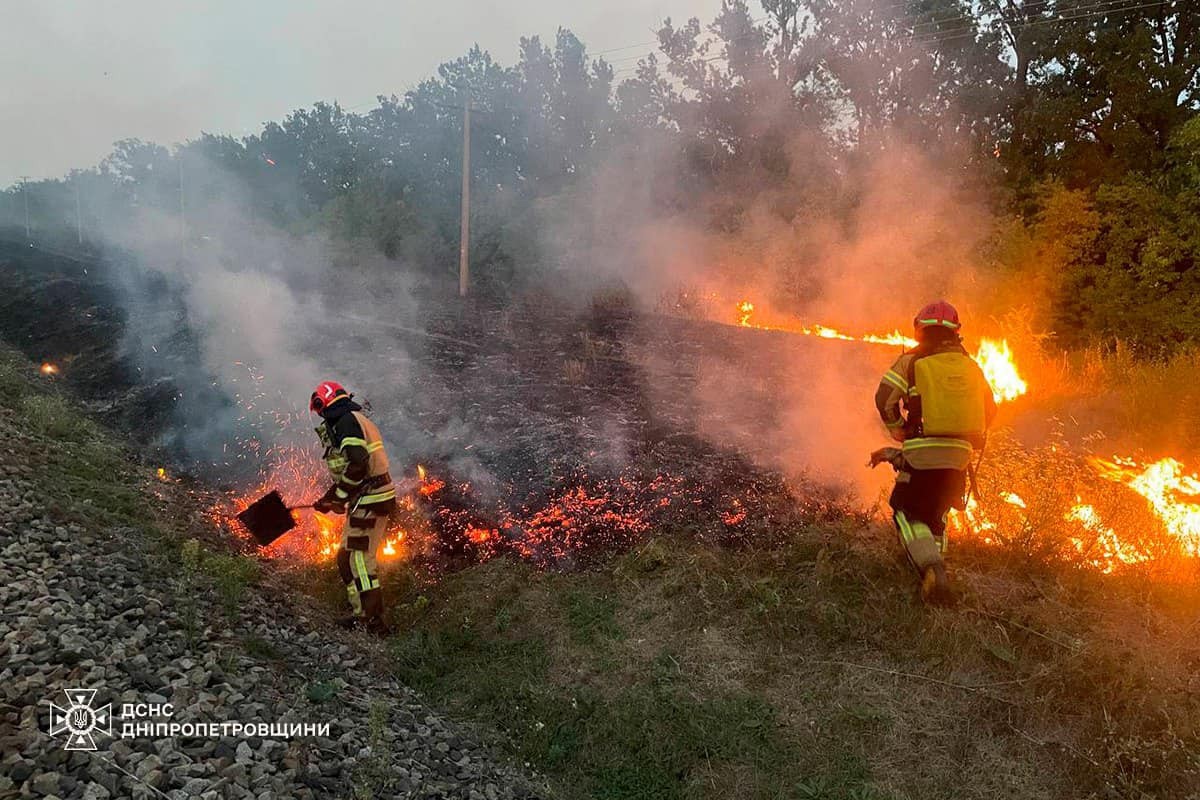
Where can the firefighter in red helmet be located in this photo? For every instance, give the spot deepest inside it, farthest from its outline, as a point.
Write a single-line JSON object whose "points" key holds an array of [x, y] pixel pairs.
{"points": [[936, 402], [363, 491]]}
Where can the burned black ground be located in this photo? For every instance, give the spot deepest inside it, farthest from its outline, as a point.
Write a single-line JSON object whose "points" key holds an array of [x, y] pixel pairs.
{"points": [[516, 403]]}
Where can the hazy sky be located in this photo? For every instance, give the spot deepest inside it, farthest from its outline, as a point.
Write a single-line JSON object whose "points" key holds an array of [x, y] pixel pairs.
{"points": [[77, 76]]}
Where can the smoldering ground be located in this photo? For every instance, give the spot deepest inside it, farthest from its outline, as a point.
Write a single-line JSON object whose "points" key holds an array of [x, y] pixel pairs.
{"points": [[901, 232]]}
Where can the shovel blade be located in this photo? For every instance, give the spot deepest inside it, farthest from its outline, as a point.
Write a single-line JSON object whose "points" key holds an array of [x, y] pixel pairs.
{"points": [[267, 518]]}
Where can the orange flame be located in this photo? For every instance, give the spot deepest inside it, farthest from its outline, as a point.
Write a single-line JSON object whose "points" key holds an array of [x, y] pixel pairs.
{"points": [[1172, 492], [995, 357], [392, 544], [479, 535], [329, 534], [1109, 551], [996, 360], [48, 369], [745, 311]]}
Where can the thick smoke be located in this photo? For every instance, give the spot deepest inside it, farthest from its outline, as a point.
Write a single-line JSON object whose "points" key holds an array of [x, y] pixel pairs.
{"points": [[889, 234], [244, 319]]}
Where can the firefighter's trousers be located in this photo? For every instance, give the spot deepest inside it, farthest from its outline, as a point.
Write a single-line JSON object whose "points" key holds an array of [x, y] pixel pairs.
{"points": [[921, 501], [357, 560]]}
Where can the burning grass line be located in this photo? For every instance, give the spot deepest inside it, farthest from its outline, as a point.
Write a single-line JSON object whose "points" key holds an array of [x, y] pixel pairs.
{"points": [[994, 356]]}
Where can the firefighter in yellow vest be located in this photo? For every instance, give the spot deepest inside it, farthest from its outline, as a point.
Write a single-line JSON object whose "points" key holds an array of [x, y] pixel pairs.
{"points": [[363, 491], [937, 403]]}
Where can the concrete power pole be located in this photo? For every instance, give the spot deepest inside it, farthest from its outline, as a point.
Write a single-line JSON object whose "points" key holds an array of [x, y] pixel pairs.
{"points": [[25, 195], [464, 247], [182, 213], [78, 215]]}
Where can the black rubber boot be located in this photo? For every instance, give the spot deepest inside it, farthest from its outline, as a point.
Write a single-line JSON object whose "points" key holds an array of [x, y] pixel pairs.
{"points": [[372, 603], [935, 586]]}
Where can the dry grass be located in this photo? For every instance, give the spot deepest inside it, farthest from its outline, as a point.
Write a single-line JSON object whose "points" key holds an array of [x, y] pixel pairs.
{"points": [[1029, 512], [574, 372], [1116, 399], [808, 669], [1049, 684]]}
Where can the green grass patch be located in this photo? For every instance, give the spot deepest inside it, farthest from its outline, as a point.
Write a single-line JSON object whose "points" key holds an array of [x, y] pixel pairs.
{"points": [[260, 648], [231, 576], [321, 691], [14, 382], [804, 670], [848, 778], [608, 692], [371, 776], [652, 738], [91, 476], [591, 617], [53, 416]]}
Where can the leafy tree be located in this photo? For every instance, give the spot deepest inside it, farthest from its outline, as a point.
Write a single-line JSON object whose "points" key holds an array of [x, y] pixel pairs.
{"points": [[1078, 119], [1099, 90]]}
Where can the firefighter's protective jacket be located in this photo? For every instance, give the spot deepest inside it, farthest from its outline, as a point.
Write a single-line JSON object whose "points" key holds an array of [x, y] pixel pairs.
{"points": [[355, 456], [899, 403]]}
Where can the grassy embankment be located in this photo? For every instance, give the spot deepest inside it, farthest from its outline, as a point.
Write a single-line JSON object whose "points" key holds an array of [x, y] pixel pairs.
{"points": [[804, 669]]}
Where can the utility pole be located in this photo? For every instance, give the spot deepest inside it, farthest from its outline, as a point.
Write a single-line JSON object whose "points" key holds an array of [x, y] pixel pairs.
{"points": [[464, 246], [78, 215], [25, 194], [182, 213]]}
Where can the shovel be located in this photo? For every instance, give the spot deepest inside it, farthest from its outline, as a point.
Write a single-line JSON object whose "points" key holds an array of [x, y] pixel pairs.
{"points": [[268, 518]]}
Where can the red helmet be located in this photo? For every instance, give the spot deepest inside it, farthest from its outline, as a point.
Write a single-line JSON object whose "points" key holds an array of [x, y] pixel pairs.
{"points": [[938, 314], [326, 394]]}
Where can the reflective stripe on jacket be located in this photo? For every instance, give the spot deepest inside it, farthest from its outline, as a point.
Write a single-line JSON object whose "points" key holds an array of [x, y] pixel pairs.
{"points": [[357, 460], [893, 400]]}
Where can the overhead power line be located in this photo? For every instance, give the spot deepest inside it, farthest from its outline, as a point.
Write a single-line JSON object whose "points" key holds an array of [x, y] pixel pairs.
{"points": [[1101, 5], [935, 30], [1099, 8], [1099, 12]]}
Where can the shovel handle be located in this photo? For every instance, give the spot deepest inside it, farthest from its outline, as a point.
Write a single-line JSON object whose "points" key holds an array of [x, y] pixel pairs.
{"points": [[404, 487]]}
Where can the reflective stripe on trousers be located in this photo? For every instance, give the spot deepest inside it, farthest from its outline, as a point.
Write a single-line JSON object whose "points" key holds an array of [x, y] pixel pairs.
{"points": [[359, 568], [918, 542]]}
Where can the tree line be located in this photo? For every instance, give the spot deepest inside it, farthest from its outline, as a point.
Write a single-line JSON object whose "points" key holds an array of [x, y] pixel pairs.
{"points": [[1076, 118]]}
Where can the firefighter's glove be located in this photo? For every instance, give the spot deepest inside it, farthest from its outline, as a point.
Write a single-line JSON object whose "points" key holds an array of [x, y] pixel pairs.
{"points": [[892, 455], [330, 503]]}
